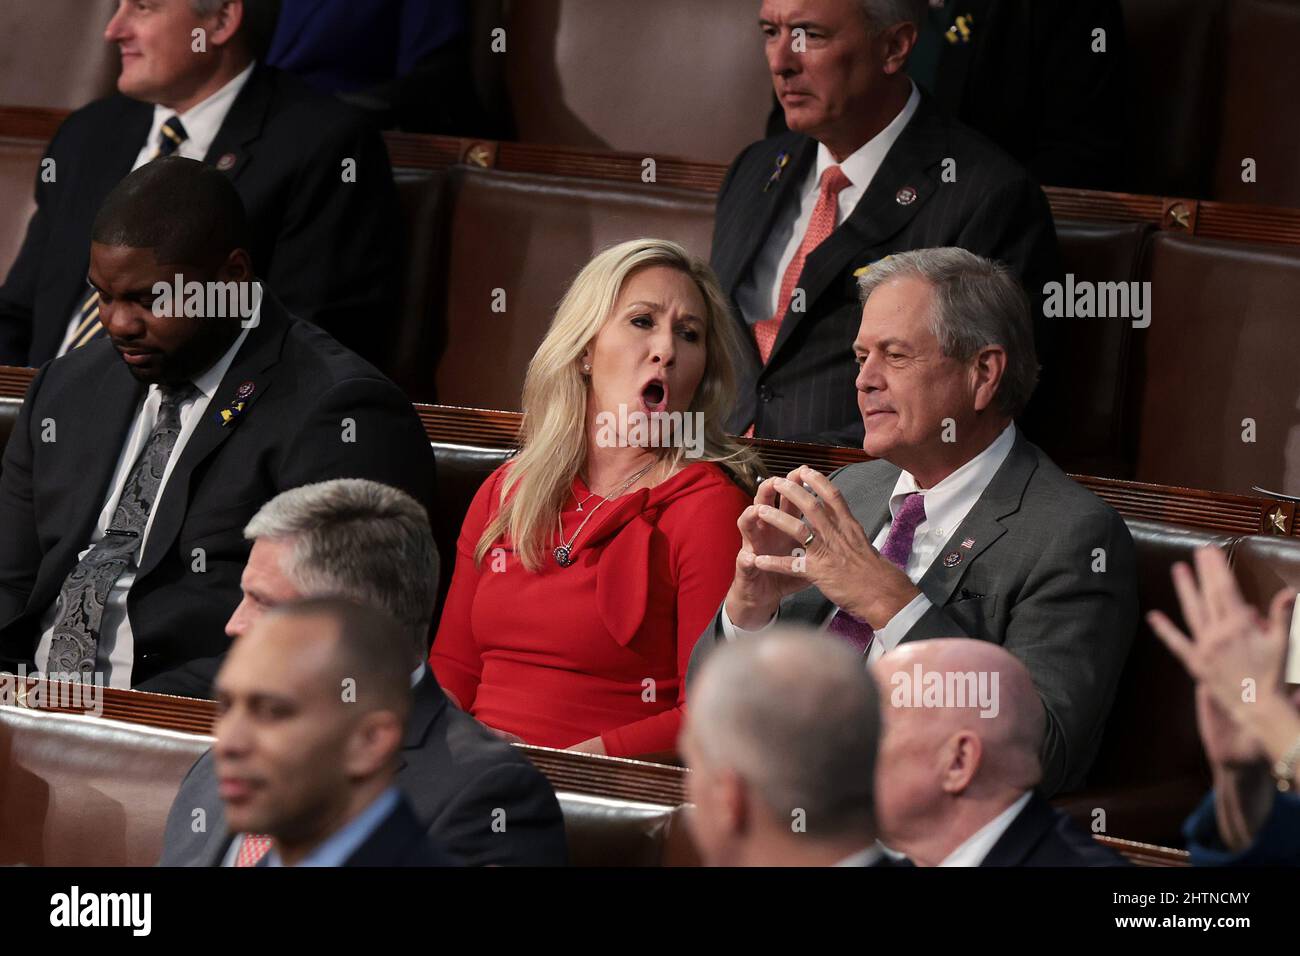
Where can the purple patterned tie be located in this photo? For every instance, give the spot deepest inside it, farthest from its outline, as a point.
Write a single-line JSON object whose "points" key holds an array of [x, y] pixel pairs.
{"points": [[897, 549]]}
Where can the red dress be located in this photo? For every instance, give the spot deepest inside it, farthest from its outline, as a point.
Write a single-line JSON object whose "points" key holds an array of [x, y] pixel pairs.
{"points": [[600, 647]]}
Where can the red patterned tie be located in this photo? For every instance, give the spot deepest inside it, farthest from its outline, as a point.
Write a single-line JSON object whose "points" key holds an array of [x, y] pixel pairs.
{"points": [[822, 225], [254, 847], [896, 549]]}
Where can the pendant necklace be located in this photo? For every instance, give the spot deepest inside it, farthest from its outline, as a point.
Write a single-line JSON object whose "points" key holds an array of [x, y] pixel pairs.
{"points": [[564, 553]]}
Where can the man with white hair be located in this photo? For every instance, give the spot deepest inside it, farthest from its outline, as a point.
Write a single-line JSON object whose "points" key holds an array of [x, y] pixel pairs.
{"points": [[959, 762], [960, 527], [781, 740], [371, 544]]}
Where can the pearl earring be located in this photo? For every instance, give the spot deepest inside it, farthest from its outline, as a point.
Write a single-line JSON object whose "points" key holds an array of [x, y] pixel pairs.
{"points": [[587, 369]]}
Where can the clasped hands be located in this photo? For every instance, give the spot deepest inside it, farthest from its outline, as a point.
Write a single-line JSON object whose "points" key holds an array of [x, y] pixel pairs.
{"points": [[793, 537]]}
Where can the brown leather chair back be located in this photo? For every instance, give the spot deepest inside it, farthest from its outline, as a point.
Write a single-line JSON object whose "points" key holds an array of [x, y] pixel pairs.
{"points": [[1221, 349], [54, 54], [603, 831], [1259, 91], [1087, 390], [528, 236], [1150, 769], [669, 78], [81, 791], [20, 161]]}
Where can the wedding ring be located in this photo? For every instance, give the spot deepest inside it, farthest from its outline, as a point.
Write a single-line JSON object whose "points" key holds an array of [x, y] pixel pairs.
{"points": [[809, 540]]}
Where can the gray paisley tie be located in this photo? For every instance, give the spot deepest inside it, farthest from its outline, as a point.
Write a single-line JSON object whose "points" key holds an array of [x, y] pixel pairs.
{"points": [[75, 642]]}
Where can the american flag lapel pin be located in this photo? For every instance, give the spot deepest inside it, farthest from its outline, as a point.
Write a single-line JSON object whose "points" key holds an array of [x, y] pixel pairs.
{"points": [[968, 543]]}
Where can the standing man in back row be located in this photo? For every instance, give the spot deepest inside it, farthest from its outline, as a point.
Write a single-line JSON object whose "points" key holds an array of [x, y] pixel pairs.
{"points": [[870, 167]]}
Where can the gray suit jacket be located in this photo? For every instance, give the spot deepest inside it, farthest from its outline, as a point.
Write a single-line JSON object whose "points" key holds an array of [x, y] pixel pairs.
{"points": [[1028, 583], [456, 775]]}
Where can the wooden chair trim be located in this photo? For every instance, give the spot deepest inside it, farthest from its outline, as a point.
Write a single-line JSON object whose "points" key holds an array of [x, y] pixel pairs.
{"points": [[1192, 507], [410, 151]]}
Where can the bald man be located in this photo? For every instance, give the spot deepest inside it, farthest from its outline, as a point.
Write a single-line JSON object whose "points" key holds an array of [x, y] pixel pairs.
{"points": [[313, 706], [959, 761], [781, 739]]}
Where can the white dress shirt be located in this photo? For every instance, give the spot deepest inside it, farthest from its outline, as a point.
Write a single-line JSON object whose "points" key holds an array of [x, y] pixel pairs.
{"points": [[116, 651], [202, 123], [977, 846], [758, 293], [946, 506], [864, 857]]}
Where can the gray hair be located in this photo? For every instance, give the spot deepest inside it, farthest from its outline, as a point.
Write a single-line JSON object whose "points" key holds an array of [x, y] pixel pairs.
{"points": [[977, 303], [885, 13], [260, 18], [795, 714], [359, 540]]}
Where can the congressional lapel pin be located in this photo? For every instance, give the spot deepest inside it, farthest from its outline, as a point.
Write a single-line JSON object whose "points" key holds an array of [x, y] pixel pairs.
{"points": [[951, 559], [960, 31], [236, 408], [782, 159], [227, 162], [905, 196]]}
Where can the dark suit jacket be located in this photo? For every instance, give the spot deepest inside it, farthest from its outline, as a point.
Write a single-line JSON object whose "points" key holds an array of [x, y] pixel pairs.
{"points": [[454, 772], [1029, 80], [1026, 583], [292, 432], [805, 392], [329, 249], [1276, 844], [1041, 835], [399, 840]]}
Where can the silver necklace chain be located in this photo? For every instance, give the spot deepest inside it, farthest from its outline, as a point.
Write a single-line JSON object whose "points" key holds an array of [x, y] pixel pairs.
{"points": [[564, 552]]}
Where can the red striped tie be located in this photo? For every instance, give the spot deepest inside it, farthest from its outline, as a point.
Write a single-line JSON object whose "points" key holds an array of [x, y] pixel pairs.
{"points": [[821, 226]]}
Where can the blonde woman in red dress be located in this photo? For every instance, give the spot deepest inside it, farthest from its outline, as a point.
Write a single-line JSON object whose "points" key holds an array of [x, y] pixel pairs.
{"points": [[588, 565]]}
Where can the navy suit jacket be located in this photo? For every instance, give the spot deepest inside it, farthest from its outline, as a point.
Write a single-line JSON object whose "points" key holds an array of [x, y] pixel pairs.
{"points": [[330, 249], [1041, 835], [1276, 844], [310, 396]]}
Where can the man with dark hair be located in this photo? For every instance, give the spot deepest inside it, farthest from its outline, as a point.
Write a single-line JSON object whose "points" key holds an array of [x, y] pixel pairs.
{"points": [[363, 541], [314, 177], [137, 459], [319, 776], [871, 167]]}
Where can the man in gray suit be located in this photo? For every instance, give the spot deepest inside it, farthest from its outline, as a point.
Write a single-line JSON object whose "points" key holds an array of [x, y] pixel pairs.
{"points": [[961, 527], [475, 795]]}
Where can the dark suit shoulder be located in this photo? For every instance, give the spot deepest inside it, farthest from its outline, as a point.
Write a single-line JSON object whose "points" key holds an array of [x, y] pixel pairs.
{"points": [[476, 750], [323, 360], [865, 478], [302, 105], [1052, 488], [91, 120]]}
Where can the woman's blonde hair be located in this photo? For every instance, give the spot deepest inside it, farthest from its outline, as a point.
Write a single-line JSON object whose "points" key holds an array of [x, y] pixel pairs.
{"points": [[553, 441]]}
